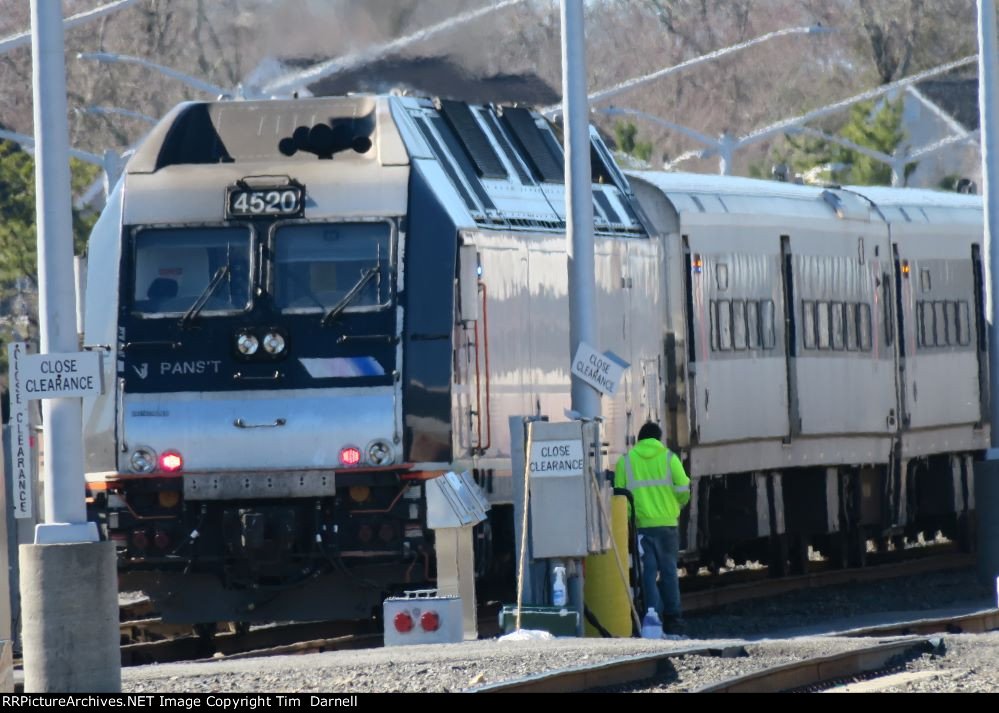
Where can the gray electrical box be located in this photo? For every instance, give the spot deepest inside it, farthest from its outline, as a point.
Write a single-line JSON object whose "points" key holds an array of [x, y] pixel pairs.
{"points": [[566, 516]]}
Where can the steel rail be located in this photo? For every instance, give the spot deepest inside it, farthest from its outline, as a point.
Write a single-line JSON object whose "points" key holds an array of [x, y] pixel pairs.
{"points": [[616, 672], [978, 622], [820, 669]]}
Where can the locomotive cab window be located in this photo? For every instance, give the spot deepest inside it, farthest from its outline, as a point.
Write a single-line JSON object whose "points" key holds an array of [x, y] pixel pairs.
{"points": [[177, 267], [316, 267]]}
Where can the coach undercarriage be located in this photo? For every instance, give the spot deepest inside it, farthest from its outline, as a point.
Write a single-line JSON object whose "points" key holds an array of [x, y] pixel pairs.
{"points": [[842, 512]]}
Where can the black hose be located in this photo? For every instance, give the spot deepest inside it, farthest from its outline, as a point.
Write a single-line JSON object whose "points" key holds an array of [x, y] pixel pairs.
{"points": [[592, 620]]}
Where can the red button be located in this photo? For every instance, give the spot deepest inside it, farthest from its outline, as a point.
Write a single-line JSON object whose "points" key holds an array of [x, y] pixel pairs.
{"points": [[403, 622], [430, 621]]}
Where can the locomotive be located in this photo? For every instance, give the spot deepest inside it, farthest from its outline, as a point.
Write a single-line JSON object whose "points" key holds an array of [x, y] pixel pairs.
{"points": [[311, 307]]}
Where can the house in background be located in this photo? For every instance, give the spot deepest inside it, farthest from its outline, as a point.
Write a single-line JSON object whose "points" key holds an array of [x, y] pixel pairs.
{"points": [[934, 110]]}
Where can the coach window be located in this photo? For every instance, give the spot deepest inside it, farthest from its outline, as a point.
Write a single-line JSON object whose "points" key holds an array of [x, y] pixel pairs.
{"points": [[940, 317], [713, 307], [924, 279], [767, 337], [852, 339], [864, 326], [964, 324], [753, 324], [721, 276], [822, 324], [927, 333], [739, 332], [808, 324], [837, 324], [725, 325], [951, 309]]}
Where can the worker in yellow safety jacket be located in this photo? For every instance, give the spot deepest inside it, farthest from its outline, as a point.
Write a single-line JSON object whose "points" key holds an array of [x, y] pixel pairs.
{"points": [[660, 488]]}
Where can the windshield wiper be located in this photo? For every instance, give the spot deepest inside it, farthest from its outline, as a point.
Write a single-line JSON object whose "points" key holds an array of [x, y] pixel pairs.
{"points": [[202, 300], [340, 306]]}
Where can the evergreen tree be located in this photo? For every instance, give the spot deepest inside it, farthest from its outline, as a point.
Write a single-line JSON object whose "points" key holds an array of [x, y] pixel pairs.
{"points": [[18, 266], [626, 136], [878, 127]]}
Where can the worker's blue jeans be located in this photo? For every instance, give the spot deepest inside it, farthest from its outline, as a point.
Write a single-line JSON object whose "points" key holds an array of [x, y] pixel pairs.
{"points": [[660, 546]]}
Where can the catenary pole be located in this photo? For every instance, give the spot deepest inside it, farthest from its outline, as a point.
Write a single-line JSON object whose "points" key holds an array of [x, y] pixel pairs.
{"points": [[579, 231], [69, 591], [578, 201], [987, 472], [988, 108], [65, 510]]}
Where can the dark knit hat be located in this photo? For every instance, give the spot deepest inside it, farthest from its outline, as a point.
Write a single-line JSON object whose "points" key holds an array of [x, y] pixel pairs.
{"points": [[650, 430]]}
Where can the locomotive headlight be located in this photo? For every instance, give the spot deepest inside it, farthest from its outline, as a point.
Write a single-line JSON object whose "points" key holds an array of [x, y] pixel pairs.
{"points": [[379, 453], [273, 343], [143, 460], [247, 344]]}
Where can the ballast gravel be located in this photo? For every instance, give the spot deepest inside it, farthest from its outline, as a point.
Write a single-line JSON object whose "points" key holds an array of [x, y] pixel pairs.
{"points": [[970, 664], [967, 665], [846, 606], [438, 668]]}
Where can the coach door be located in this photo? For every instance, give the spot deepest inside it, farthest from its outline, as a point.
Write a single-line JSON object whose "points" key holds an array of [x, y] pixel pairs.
{"points": [[738, 373], [938, 316], [843, 365]]}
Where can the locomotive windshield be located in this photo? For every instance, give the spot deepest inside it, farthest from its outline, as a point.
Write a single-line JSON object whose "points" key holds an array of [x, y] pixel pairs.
{"points": [[331, 268], [174, 268]]}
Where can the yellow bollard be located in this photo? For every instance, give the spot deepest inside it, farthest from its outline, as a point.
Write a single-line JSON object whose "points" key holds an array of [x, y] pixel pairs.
{"points": [[603, 591]]}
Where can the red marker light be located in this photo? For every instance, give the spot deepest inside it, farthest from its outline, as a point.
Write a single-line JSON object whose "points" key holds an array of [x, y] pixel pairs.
{"points": [[403, 622], [171, 462], [430, 621], [350, 456]]}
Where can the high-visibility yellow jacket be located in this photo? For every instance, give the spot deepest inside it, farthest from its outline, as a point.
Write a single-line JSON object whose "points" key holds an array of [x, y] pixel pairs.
{"points": [[657, 481]]}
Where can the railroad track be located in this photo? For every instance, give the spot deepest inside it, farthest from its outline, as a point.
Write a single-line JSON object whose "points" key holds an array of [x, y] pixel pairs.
{"points": [[807, 674], [816, 673], [822, 672], [272, 640], [147, 639]]}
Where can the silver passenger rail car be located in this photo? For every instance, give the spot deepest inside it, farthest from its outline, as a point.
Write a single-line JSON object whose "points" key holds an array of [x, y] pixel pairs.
{"points": [[790, 348]]}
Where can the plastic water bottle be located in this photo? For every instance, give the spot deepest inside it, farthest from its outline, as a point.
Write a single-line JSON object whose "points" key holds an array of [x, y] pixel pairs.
{"points": [[558, 587], [652, 628]]}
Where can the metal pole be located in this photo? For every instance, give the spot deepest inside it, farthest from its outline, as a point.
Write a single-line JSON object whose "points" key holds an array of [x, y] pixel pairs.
{"points": [[578, 201], [579, 229], [987, 472], [988, 96], [726, 145], [65, 512]]}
